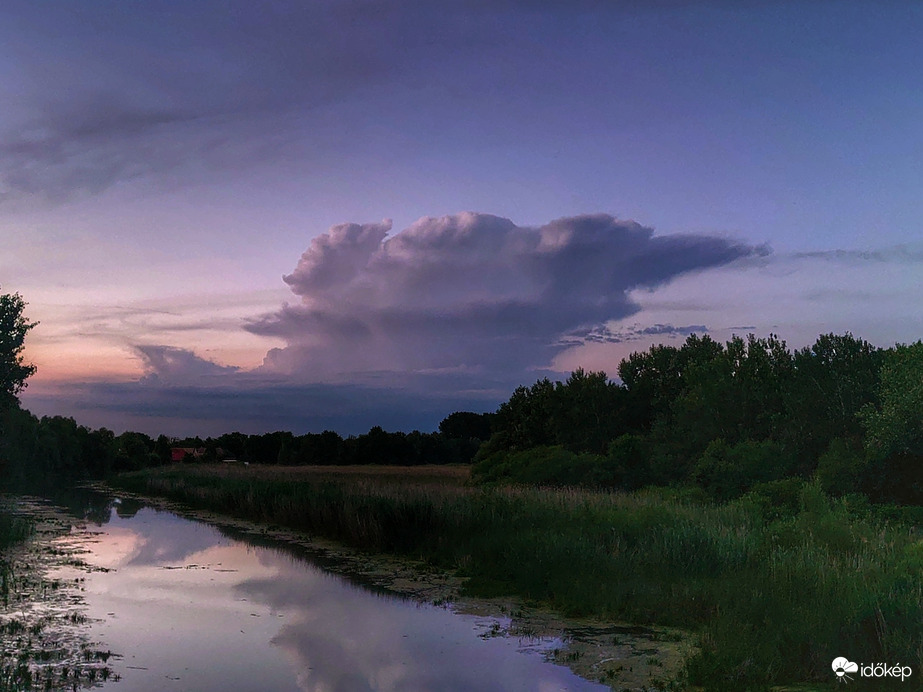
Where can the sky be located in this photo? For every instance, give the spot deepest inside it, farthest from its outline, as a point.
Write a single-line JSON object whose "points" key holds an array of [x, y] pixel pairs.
{"points": [[332, 215]]}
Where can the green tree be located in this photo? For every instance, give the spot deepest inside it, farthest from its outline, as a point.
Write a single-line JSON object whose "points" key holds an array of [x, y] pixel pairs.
{"points": [[464, 425], [832, 381], [589, 412], [13, 329], [896, 424], [894, 427], [583, 414], [526, 419]]}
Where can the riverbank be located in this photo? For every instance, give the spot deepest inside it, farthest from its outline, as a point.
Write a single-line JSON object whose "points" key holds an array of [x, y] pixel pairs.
{"points": [[774, 596], [43, 645]]}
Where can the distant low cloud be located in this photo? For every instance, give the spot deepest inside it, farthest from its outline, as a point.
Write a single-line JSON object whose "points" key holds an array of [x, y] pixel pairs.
{"points": [[470, 294], [166, 365], [236, 401], [606, 335], [894, 253]]}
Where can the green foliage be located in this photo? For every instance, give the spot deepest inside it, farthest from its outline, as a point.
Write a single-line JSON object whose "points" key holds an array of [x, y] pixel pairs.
{"points": [[13, 530], [734, 393], [895, 424], [465, 425], [582, 414], [13, 329], [731, 416], [630, 460], [553, 466], [773, 499], [727, 471], [377, 446], [50, 449], [894, 427], [833, 380], [843, 468]]}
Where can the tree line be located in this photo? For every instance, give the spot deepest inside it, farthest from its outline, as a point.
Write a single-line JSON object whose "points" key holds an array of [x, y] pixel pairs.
{"points": [[723, 417], [726, 418], [57, 447], [456, 441]]}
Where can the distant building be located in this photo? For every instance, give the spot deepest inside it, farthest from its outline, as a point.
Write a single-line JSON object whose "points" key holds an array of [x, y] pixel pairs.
{"points": [[180, 453]]}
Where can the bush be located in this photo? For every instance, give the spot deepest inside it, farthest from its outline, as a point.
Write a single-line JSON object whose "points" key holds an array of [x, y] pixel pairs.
{"points": [[775, 499], [543, 466], [629, 459], [727, 471], [842, 469]]}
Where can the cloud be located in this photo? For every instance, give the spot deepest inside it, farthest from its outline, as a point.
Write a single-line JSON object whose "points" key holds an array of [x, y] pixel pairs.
{"points": [[166, 365], [342, 639], [904, 254], [468, 294], [606, 335], [400, 330], [87, 147], [140, 92], [137, 91], [238, 401]]}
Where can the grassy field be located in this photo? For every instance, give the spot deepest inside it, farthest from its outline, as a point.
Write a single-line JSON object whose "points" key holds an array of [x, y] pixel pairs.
{"points": [[774, 594]]}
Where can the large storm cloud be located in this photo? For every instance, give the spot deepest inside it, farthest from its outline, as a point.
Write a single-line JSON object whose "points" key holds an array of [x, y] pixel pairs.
{"points": [[468, 294]]}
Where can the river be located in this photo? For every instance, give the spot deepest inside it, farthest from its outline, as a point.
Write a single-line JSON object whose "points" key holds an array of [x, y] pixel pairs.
{"points": [[185, 605]]}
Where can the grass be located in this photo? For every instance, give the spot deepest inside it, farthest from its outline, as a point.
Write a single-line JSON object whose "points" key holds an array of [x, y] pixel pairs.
{"points": [[775, 595], [13, 530]]}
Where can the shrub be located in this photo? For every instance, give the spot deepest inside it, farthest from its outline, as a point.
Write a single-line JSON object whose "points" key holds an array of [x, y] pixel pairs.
{"points": [[842, 468], [543, 466], [727, 471], [629, 460]]}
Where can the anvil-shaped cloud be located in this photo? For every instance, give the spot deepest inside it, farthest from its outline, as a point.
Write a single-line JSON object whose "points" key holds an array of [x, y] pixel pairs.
{"points": [[468, 293]]}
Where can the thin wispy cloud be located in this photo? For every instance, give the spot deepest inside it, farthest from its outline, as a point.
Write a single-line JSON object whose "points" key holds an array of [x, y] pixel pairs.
{"points": [[894, 253], [87, 148], [149, 93], [607, 335]]}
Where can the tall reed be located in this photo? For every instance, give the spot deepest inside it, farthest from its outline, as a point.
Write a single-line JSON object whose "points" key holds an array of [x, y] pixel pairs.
{"points": [[775, 596]]}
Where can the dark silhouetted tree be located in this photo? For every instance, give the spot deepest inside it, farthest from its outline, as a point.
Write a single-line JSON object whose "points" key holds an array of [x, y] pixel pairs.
{"points": [[13, 329]]}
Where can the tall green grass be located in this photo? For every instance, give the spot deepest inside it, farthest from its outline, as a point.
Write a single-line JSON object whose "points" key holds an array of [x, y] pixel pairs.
{"points": [[775, 595], [13, 530]]}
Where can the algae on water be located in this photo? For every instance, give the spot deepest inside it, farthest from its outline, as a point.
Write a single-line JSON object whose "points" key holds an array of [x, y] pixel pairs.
{"points": [[43, 643]]}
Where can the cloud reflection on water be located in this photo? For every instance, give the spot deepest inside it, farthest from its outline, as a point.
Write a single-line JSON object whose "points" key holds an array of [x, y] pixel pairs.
{"points": [[190, 605]]}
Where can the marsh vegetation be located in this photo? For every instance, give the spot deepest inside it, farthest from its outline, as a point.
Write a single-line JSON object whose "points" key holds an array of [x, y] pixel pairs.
{"points": [[771, 582], [43, 642]]}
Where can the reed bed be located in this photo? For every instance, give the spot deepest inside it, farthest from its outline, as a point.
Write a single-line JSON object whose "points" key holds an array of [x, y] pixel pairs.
{"points": [[774, 596]]}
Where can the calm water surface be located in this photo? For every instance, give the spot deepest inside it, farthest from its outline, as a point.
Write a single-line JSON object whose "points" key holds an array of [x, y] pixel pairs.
{"points": [[188, 608]]}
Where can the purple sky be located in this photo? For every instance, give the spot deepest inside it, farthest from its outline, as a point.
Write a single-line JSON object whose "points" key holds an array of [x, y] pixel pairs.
{"points": [[301, 216]]}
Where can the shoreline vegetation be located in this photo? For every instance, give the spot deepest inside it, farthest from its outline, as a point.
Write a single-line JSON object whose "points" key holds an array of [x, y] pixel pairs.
{"points": [[43, 643], [770, 586]]}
